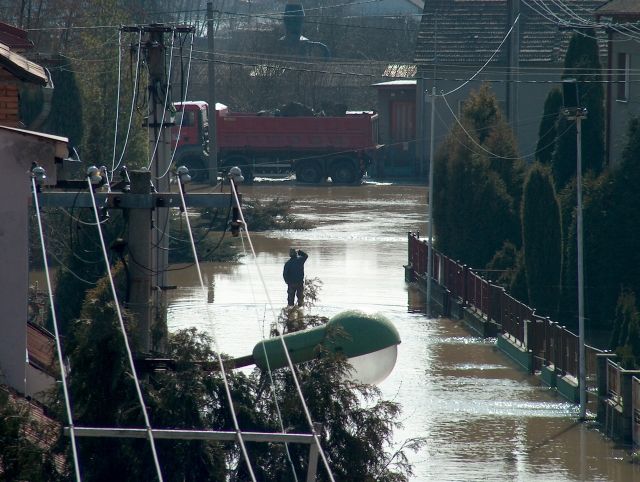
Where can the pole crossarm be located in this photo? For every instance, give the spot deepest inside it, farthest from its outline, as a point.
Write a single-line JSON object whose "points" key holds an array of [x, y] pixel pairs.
{"points": [[115, 200], [172, 434]]}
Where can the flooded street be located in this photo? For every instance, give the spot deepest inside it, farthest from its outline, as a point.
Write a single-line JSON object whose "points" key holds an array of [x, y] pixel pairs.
{"points": [[483, 419]]}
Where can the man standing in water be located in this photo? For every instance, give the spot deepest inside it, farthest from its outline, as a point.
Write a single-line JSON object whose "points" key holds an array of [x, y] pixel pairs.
{"points": [[293, 275]]}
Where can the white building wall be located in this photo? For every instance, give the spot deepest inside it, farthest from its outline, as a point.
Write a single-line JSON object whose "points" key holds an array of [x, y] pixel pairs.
{"points": [[17, 152], [623, 110]]}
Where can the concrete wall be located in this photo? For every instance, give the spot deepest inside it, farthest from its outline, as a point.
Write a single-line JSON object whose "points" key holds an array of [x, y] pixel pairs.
{"points": [[17, 151], [531, 97], [622, 110]]}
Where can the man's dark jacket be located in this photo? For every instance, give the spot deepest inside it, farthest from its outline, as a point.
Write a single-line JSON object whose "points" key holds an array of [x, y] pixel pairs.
{"points": [[293, 272]]}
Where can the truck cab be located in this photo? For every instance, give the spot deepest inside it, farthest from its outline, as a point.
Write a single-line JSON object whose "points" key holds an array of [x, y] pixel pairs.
{"points": [[191, 136]]}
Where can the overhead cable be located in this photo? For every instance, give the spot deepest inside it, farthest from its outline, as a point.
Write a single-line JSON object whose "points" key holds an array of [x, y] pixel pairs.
{"points": [[133, 102], [284, 344], [223, 371], [488, 60], [266, 357], [184, 99], [123, 330], [166, 100], [63, 375], [115, 134]]}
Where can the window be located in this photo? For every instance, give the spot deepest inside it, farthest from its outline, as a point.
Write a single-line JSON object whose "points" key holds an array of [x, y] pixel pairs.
{"points": [[622, 80]]}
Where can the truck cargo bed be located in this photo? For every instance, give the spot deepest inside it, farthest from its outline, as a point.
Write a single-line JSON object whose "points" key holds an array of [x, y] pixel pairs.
{"points": [[263, 133]]}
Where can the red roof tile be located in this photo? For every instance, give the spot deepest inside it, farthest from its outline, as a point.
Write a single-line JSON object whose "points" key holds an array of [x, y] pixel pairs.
{"points": [[459, 32], [14, 37]]}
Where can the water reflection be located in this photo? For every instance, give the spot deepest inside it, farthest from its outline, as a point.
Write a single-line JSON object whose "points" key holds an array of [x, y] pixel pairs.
{"points": [[483, 419]]}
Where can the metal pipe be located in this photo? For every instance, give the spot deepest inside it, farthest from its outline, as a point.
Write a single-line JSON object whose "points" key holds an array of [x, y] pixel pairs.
{"points": [[170, 434]]}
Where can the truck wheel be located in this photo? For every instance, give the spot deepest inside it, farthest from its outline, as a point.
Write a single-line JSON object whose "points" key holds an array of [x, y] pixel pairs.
{"points": [[308, 172], [344, 172]]}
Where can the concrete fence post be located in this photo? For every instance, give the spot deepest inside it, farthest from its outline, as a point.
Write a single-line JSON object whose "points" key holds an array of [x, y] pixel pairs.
{"points": [[601, 383], [627, 405]]}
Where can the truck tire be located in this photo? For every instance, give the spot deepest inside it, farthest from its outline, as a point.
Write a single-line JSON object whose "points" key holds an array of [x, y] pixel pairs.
{"points": [[308, 172], [344, 171]]}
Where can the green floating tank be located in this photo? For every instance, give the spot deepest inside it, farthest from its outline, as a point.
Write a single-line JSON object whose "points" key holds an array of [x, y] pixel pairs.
{"points": [[369, 341]]}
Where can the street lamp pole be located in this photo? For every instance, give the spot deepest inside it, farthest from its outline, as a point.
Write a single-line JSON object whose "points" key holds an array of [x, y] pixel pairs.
{"points": [[582, 376], [430, 207], [573, 111]]}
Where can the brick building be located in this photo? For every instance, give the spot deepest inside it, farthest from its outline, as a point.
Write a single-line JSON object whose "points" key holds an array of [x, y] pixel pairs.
{"points": [[16, 71]]}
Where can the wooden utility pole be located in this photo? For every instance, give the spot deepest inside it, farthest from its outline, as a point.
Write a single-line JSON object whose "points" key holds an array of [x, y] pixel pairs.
{"points": [[213, 133]]}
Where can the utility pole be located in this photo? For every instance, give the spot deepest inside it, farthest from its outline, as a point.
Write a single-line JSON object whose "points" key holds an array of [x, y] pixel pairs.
{"points": [[139, 243], [148, 201], [573, 111], [213, 133], [159, 144], [582, 371], [430, 228]]}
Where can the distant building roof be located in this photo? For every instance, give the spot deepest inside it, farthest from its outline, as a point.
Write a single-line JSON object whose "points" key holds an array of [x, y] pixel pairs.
{"points": [[626, 9], [15, 38], [22, 68], [41, 429], [396, 83], [404, 71], [469, 31]]}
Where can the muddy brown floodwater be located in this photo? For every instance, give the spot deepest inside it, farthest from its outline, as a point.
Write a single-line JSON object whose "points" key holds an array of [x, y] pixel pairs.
{"points": [[483, 418]]}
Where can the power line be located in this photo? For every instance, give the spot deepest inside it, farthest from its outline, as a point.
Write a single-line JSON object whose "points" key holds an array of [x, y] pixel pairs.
{"points": [[65, 389], [133, 102], [166, 100], [284, 344], [488, 60], [184, 99], [123, 330], [223, 372], [266, 357]]}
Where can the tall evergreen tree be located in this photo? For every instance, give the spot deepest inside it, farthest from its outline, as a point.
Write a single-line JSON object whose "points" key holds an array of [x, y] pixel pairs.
{"points": [[498, 140], [611, 220], [582, 63], [542, 241], [625, 339], [547, 131], [469, 193], [66, 118]]}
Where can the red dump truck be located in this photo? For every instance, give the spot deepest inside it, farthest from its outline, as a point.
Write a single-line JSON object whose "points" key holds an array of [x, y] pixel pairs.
{"points": [[315, 148]]}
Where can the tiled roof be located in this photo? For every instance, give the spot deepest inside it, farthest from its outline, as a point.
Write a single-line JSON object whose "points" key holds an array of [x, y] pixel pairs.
{"points": [[41, 430], [621, 8], [14, 37], [469, 31], [22, 68]]}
